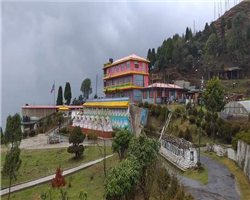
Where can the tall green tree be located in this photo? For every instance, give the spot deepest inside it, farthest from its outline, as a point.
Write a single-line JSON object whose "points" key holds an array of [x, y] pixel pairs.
{"points": [[13, 133], [86, 88], [179, 51], [2, 135], [187, 34], [121, 142], [67, 93], [59, 100], [145, 151], [122, 180], [149, 55], [76, 138], [12, 164], [214, 99], [170, 49], [153, 57], [212, 45]]}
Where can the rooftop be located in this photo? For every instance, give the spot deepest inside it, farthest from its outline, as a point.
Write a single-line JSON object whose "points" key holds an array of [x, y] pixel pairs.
{"points": [[163, 85], [179, 142]]}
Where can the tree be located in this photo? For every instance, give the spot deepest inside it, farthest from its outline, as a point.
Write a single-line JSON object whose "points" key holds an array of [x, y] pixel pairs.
{"points": [[67, 93], [222, 26], [212, 44], [190, 61], [2, 135], [13, 133], [229, 23], [145, 151], [248, 32], [121, 142], [75, 101], [59, 180], [122, 180], [187, 34], [179, 51], [76, 137], [153, 57], [59, 118], [86, 88], [149, 55], [170, 49], [59, 100], [12, 164], [214, 99]]}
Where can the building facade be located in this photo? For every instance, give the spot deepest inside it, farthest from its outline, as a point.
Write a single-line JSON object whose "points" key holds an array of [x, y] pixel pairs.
{"points": [[125, 77], [158, 93]]}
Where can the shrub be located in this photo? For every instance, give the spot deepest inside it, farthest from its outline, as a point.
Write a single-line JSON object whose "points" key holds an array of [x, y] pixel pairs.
{"points": [[235, 129], [32, 133], [192, 119], [194, 111], [92, 136], [114, 132], [215, 116], [64, 130], [146, 105], [178, 112], [190, 112], [188, 135], [158, 110], [25, 134], [150, 106], [153, 108], [208, 117], [164, 113], [220, 121], [209, 128], [184, 116], [245, 127], [226, 133], [76, 149], [200, 113], [140, 104], [203, 125], [197, 122], [244, 136], [188, 106], [181, 134]]}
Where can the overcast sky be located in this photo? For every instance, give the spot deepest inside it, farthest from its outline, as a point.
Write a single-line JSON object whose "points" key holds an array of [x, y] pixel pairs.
{"points": [[68, 42]]}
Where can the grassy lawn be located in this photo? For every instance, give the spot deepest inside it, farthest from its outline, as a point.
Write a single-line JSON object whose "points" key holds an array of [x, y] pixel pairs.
{"points": [[199, 175], [90, 180], [240, 87], [244, 185], [43, 162]]}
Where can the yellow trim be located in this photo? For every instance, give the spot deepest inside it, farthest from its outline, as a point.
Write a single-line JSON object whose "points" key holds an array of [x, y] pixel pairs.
{"points": [[112, 104], [126, 73], [63, 107], [124, 88], [124, 60]]}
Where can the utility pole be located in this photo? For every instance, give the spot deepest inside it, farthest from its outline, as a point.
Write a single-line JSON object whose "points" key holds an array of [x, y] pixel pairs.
{"points": [[199, 154]]}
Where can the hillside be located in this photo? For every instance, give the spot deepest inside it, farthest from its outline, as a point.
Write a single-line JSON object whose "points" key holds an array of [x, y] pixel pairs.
{"points": [[223, 43]]}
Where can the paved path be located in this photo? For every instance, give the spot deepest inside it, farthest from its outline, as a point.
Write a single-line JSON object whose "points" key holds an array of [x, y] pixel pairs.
{"points": [[221, 185], [49, 178]]}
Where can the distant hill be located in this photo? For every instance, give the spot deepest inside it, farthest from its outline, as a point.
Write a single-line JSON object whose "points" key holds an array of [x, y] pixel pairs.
{"points": [[223, 43]]}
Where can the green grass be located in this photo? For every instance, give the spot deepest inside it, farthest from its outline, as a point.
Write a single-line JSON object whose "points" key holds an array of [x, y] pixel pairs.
{"points": [[241, 85], [90, 180], [199, 175], [243, 183], [43, 162]]}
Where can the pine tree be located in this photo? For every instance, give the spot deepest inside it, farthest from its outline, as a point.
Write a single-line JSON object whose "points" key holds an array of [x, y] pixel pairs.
{"points": [[59, 180], [59, 100], [67, 93], [187, 34], [153, 57]]}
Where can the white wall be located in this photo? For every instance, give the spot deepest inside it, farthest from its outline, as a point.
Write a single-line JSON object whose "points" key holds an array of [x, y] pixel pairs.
{"points": [[243, 157]]}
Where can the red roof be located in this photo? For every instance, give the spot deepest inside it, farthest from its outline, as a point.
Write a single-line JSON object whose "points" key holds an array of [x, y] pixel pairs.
{"points": [[164, 85]]}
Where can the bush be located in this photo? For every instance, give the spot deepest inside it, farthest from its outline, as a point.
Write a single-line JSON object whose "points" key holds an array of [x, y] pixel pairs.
{"points": [[197, 122], [32, 133], [203, 125], [184, 116], [208, 117], [244, 136], [245, 127], [200, 113], [146, 105], [25, 134], [150, 106], [164, 113], [140, 104], [226, 133], [235, 129], [188, 135], [64, 130], [115, 130], [178, 112], [188, 106], [190, 112], [220, 122], [158, 110], [76, 149], [92, 136], [192, 119], [153, 108], [181, 134], [209, 129], [194, 111]]}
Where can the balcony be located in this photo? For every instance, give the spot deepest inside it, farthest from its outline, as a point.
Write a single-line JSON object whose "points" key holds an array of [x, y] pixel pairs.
{"points": [[119, 86]]}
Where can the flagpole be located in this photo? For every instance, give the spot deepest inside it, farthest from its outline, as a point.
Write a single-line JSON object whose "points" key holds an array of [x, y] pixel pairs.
{"points": [[55, 103]]}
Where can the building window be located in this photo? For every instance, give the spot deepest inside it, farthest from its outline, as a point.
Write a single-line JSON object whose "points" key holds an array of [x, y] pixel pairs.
{"points": [[107, 70], [113, 69], [151, 94], [143, 67], [122, 66], [117, 68], [159, 93], [128, 65], [136, 65], [144, 95]]}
